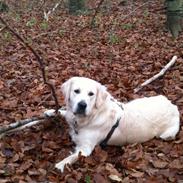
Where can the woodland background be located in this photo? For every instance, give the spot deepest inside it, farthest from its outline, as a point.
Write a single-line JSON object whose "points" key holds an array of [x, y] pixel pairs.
{"points": [[127, 43]]}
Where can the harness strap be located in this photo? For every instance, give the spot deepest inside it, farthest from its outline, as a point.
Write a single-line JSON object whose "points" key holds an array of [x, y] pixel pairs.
{"points": [[104, 142]]}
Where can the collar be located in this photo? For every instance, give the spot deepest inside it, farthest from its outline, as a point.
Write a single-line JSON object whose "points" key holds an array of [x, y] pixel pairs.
{"points": [[120, 104], [75, 127]]}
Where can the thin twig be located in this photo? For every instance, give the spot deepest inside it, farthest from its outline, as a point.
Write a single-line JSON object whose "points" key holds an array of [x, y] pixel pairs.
{"points": [[39, 59], [2, 28], [44, 34], [161, 73], [46, 15], [42, 4], [96, 12], [126, 16]]}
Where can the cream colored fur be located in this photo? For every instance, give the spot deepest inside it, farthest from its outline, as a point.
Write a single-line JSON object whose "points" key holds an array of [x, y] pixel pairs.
{"points": [[141, 119]]}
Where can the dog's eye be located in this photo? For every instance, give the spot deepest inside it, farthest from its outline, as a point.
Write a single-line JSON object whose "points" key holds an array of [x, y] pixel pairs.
{"points": [[90, 94], [77, 91]]}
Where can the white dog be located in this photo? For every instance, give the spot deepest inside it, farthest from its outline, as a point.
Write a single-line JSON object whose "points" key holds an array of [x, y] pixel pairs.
{"points": [[94, 116]]}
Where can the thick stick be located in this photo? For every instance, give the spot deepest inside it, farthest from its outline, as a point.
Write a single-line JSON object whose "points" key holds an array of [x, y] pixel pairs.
{"points": [[20, 125], [161, 73]]}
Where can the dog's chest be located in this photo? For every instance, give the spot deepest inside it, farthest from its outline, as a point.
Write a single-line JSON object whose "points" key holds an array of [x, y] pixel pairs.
{"points": [[75, 132]]}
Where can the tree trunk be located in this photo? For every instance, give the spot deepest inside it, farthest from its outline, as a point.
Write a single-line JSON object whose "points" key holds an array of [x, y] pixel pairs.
{"points": [[3, 7], [75, 6], [174, 16]]}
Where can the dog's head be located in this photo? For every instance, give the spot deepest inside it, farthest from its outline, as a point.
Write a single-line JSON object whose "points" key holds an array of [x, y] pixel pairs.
{"points": [[83, 95]]}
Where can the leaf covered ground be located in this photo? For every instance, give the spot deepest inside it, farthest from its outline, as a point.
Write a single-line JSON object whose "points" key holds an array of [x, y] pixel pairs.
{"points": [[121, 52]]}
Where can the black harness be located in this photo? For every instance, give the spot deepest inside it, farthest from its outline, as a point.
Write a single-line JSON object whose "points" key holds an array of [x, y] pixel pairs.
{"points": [[104, 142]]}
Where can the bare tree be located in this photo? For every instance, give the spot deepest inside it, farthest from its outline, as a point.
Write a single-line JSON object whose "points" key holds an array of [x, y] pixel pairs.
{"points": [[3, 7], [76, 5], [174, 16]]}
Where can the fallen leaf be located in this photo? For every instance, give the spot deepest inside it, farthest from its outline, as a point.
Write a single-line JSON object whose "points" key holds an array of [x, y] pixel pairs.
{"points": [[2, 160], [33, 172], [115, 178], [113, 171], [1, 84], [7, 152], [137, 174], [9, 103], [99, 178], [176, 164], [26, 165], [42, 171], [15, 158], [100, 155], [71, 180], [159, 163]]}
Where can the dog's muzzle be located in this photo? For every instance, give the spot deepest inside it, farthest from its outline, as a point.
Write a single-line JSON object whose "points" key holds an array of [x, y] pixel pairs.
{"points": [[81, 107]]}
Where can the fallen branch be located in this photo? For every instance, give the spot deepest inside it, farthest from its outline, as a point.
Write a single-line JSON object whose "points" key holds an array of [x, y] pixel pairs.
{"points": [[39, 59], [20, 125], [161, 73]]}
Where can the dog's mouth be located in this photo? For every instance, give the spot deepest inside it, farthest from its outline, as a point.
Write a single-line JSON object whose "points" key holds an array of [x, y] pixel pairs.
{"points": [[80, 112]]}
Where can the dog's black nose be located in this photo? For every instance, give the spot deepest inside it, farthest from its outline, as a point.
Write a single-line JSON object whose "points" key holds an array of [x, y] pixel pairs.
{"points": [[82, 105]]}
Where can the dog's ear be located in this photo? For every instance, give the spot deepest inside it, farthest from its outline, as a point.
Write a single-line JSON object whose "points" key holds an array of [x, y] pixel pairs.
{"points": [[101, 95], [65, 88]]}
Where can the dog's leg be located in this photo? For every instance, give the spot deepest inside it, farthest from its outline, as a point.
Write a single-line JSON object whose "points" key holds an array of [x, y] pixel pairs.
{"points": [[85, 151], [69, 160], [62, 112], [171, 132], [51, 112]]}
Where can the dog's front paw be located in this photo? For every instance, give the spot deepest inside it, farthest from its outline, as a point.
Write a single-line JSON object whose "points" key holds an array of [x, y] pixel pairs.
{"points": [[60, 166], [62, 112], [49, 113]]}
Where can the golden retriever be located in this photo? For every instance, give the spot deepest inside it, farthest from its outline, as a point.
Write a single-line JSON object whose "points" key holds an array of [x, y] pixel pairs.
{"points": [[92, 113]]}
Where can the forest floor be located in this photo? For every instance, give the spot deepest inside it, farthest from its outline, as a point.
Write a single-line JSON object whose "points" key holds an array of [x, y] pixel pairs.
{"points": [[120, 53]]}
